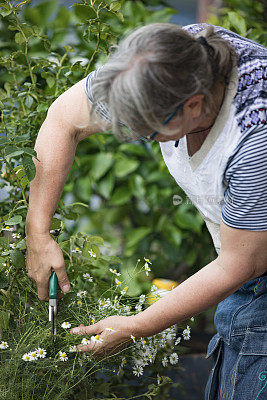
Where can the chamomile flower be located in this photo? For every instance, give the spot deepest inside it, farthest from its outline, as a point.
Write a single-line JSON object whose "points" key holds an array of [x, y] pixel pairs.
{"points": [[142, 298], [147, 260], [85, 341], [174, 358], [72, 349], [147, 269], [110, 329], [7, 271], [34, 355], [186, 333], [82, 293], [66, 325], [79, 303], [88, 277], [92, 253], [76, 250], [16, 235], [63, 356], [118, 283], [27, 357], [41, 353], [164, 361], [133, 338], [124, 291], [138, 307], [3, 345], [96, 339], [12, 245], [8, 228], [138, 370], [114, 271]]}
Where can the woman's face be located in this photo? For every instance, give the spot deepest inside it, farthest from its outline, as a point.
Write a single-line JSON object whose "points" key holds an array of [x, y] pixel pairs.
{"points": [[190, 119]]}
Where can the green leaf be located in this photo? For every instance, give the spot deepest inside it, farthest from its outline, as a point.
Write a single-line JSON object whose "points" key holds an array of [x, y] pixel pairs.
{"points": [[186, 220], [173, 234], [137, 185], [4, 319], [55, 224], [4, 243], [115, 6], [3, 140], [19, 38], [50, 81], [28, 101], [124, 166], [13, 151], [84, 11], [237, 22], [95, 239], [136, 235], [14, 220], [101, 162], [29, 167], [17, 259], [106, 185], [120, 196]]}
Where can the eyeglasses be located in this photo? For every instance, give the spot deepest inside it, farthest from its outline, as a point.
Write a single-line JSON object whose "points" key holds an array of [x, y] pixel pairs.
{"points": [[154, 134]]}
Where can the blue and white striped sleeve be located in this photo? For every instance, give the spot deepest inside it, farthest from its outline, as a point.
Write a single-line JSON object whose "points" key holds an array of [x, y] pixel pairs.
{"points": [[245, 199], [100, 107]]}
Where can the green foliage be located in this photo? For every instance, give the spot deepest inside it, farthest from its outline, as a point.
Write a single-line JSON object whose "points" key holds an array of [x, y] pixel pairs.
{"points": [[245, 17]]}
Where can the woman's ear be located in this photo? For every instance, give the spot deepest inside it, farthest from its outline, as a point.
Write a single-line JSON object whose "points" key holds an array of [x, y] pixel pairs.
{"points": [[193, 106]]}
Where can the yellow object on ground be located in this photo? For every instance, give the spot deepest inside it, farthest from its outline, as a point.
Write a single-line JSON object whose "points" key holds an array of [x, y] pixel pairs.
{"points": [[164, 286]]}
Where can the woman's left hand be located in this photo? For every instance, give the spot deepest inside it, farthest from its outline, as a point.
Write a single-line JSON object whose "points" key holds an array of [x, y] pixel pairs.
{"points": [[112, 334]]}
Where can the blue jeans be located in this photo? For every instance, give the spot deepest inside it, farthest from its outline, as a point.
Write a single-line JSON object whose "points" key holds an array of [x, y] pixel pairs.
{"points": [[239, 349]]}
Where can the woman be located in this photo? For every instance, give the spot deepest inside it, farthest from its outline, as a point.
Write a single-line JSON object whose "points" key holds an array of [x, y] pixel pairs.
{"points": [[199, 91]]}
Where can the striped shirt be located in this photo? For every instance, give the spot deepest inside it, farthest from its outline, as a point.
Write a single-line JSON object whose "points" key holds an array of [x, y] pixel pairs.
{"points": [[245, 177]]}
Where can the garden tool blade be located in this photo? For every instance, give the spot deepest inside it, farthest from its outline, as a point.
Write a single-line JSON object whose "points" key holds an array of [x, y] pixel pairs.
{"points": [[53, 303]]}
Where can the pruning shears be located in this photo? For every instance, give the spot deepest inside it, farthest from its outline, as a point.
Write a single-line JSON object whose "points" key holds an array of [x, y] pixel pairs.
{"points": [[53, 303]]}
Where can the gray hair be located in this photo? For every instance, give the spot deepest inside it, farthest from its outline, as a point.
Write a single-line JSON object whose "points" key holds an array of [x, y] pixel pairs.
{"points": [[156, 68]]}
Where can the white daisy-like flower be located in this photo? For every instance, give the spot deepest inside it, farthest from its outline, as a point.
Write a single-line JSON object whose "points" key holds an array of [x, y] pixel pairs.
{"points": [[138, 307], [164, 361], [96, 339], [4, 345], [133, 338], [110, 329], [92, 253], [138, 370], [76, 250], [118, 283], [174, 358], [82, 293], [72, 349], [34, 355], [192, 319], [124, 291], [63, 356], [85, 341], [88, 277], [12, 245], [16, 235], [154, 288], [5, 252], [142, 298], [147, 269], [79, 303], [66, 325], [7, 271], [147, 260], [41, 353], [186, 333], [114, 271], [177, 341], [8, 228], [27, 357], [123, 361]]}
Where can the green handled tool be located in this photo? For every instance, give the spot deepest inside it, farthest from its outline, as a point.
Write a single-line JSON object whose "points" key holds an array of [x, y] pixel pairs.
{"points": [[53, 303]]}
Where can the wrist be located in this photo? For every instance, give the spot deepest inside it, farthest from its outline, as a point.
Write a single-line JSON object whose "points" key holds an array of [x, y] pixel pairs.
{"points": [[36, 225]]}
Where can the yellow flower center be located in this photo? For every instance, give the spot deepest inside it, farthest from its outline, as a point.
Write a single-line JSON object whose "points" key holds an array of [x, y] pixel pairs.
{"points": [[97, 337], [34, 354], [79, 302], [63, 355], [144, 341], [118, 282], [41, 352], [115, 271]]}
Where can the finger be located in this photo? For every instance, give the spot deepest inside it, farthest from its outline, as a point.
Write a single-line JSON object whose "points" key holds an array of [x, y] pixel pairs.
{"points": [[62, 277], [42, 288], [85, 330]]}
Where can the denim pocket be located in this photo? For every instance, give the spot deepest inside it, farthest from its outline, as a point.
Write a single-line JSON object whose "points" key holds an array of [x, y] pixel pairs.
{"points": [[250, 378], [215, 350]]}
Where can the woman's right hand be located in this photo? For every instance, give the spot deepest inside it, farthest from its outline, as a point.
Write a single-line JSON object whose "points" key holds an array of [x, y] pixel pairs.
{"points": [[44, 254]]}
